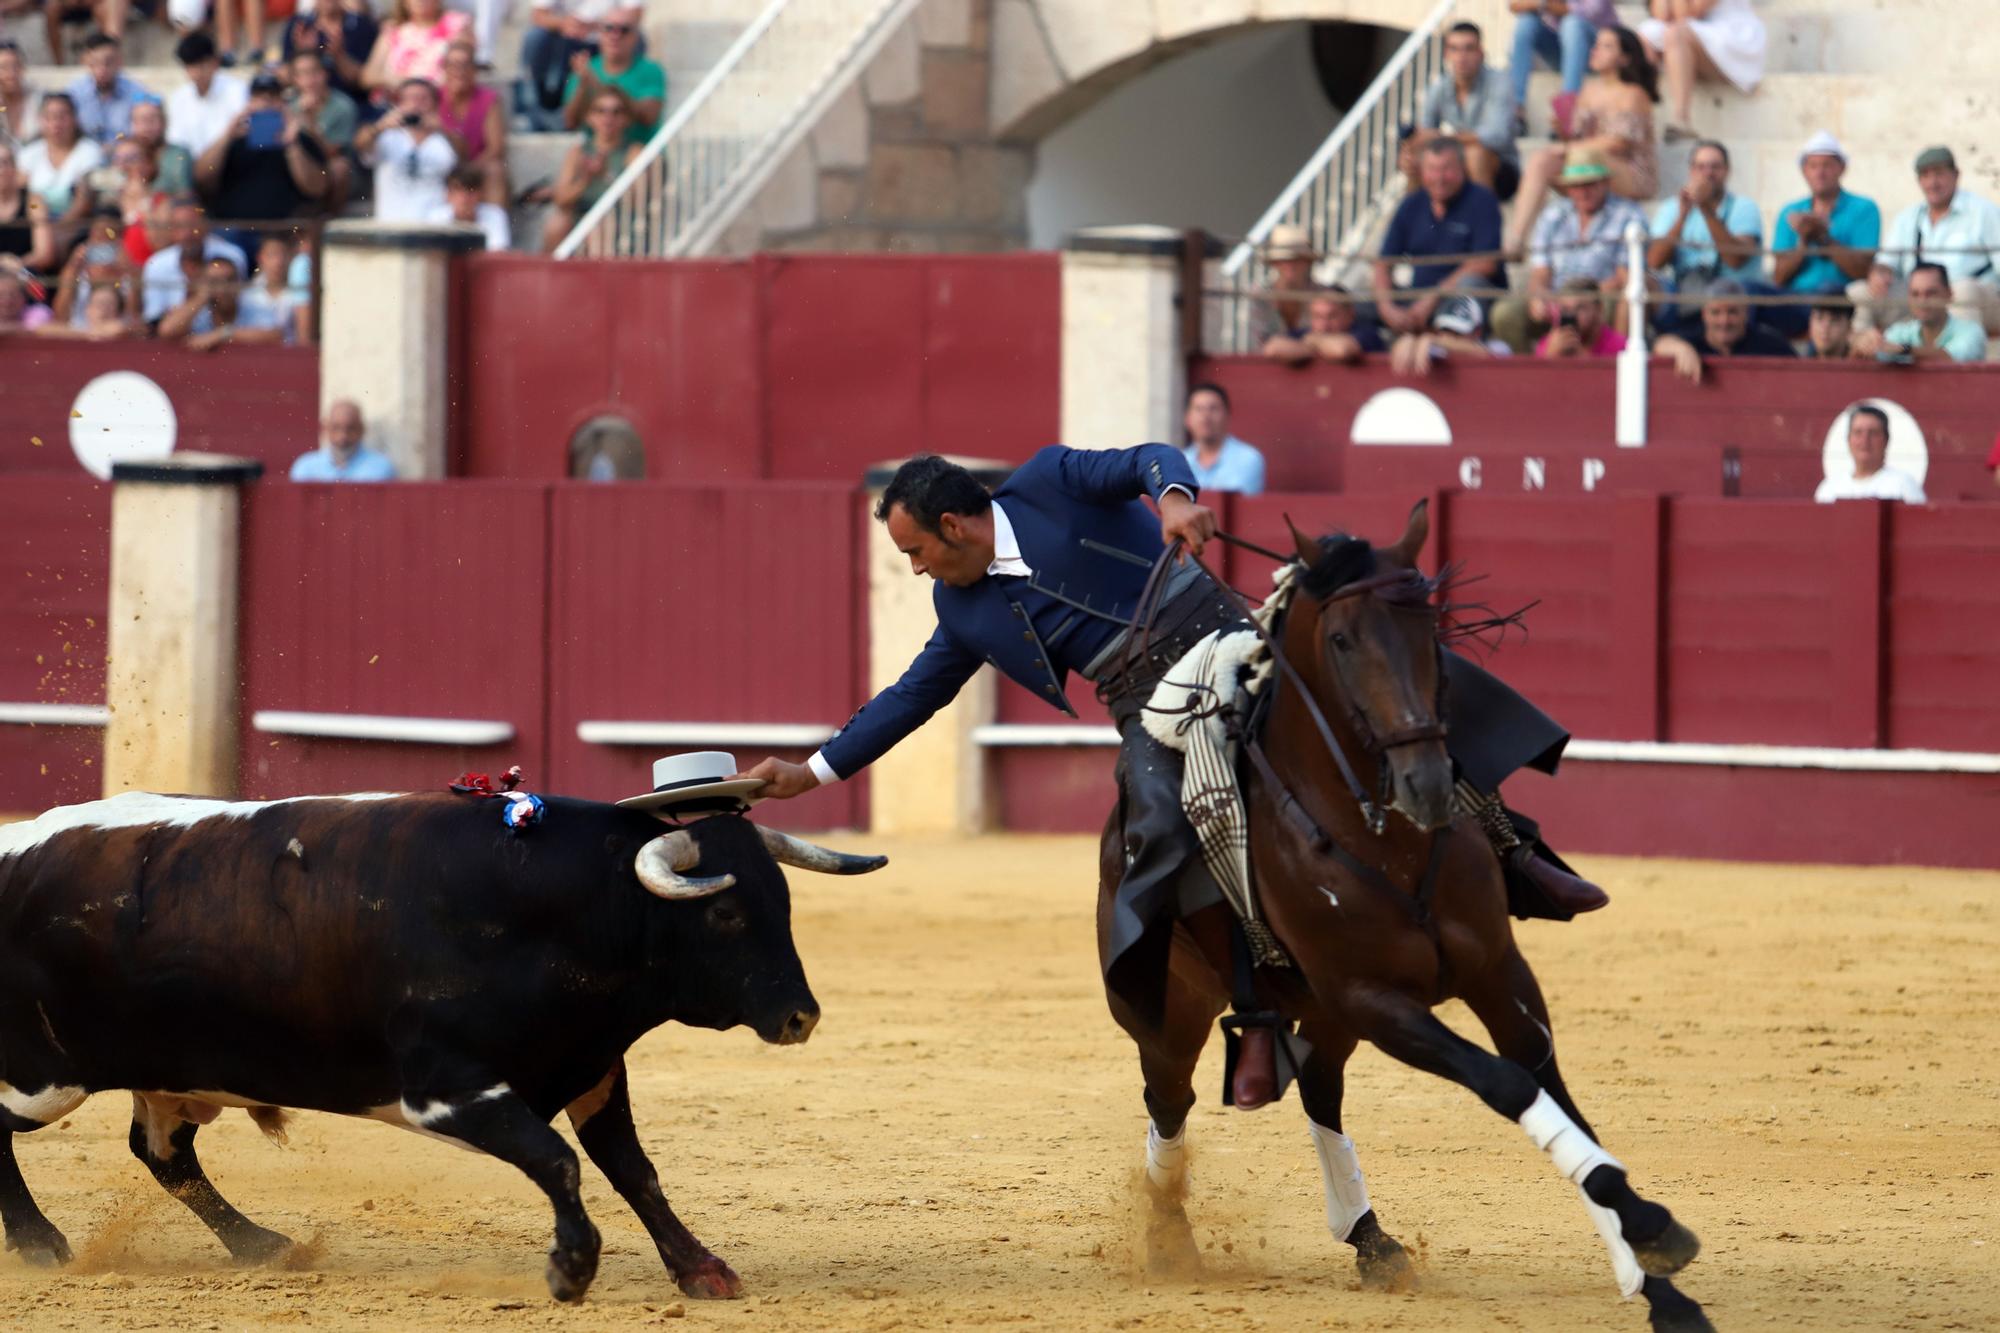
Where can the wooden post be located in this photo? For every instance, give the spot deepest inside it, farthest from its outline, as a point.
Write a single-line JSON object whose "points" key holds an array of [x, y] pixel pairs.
{"points": [[1638, 607], [171, 681]]}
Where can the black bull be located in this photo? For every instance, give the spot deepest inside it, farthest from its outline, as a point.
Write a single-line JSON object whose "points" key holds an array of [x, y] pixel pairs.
{"points": [[405, 958]]}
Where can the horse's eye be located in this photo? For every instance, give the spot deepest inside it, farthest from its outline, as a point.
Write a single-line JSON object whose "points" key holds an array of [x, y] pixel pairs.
{"points": [[1340, 641]]}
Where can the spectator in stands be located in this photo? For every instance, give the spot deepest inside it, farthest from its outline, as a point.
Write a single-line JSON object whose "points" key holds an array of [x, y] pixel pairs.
{"points": [[173, 165], [128, 184], [1830, 330], [1873, 478], [343, 34], [268, 167], [18, 314], [59, 163], [239, 31], [268, 309], [26, 233], [465, 203], [1711, 39], [591, 165], [104, 95], [332, 116], [200, 111], [411, 153], [19, 104], [472, 111], [1932, 333], [486, 17], [1582, 235], [1221, 462], [619, 66], [1726, 330], [1458, 329], [558, 30], [1280, 310], [1448, 216], [1580, 330], [1824, 241], [207, 318], [164, 278], [1474, 103], [413, 43], [99, 263], [342, 456], [1561, 33], [1950, 226], [1613, 119], [1706, 233], [1333, 332]]}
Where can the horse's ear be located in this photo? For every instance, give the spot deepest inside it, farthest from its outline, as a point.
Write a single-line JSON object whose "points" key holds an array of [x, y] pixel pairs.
{"points": [[1416, 534], [1308, 549]]}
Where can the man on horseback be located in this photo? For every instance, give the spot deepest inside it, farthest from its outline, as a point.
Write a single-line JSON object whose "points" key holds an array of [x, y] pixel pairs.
{"points": [[1043, 579]]}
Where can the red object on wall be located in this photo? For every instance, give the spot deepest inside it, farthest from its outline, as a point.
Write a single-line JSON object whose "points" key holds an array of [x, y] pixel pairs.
{"points": [[791, 367], [254, 402], [419, 599], [1754, 426], [700, 604], [55, 579]]}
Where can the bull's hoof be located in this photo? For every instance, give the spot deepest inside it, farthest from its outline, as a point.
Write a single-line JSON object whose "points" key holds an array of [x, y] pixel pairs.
{"points": [[257, 1245], [39, 1243], [570, 1274], [1667, 1253], [1384, 1264], [710, 1279]]}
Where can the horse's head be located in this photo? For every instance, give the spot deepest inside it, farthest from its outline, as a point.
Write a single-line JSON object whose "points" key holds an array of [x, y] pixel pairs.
{"points": [[1374, 655]]}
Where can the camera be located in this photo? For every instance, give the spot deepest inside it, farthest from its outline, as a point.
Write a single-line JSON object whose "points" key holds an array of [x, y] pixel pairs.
{"points": [[1565, 318], [413, 119]]}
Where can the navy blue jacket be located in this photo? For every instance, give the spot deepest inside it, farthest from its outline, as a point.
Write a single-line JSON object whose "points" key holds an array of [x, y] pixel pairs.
{"points": [[1056, 499]]}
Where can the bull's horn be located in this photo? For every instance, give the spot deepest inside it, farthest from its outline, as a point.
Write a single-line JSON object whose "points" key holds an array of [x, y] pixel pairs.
{"points": [[660, 862], [790, 851]]}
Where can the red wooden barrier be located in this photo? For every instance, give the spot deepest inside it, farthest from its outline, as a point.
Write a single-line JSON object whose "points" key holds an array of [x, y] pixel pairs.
{"points": [[697, 604], [1943, 639], [54, 583], [422, 599], [806, 367], [255, 402]]}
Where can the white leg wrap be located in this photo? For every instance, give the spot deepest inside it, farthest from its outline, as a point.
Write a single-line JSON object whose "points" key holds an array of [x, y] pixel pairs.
{"points": [[1166, 1159], [1574, 1152], [1340, 1173], [1624, 1263]]}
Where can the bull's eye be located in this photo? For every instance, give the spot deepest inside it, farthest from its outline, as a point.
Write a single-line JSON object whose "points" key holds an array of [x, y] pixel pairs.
{"points": [[725, 916]]}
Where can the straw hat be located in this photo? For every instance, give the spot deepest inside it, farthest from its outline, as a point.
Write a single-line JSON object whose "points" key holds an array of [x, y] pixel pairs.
{"points": [[1582, 166], [1288, 240]]}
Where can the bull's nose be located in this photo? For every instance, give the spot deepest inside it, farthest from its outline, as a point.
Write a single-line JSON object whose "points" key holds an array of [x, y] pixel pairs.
{"points": [[798, 1027]]}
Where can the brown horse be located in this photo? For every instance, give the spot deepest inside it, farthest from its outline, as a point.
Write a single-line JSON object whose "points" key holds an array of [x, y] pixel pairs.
{"points": [[1382, 926]]}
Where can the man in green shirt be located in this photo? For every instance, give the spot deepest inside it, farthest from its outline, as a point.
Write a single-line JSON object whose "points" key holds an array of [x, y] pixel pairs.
{"points": [[618, 65]]}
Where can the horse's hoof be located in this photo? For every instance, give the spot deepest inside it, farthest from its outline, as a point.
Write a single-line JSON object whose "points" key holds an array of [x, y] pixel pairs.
{"points": [[1384, 1265], [41, 1245], [257, 1245], [711, 1280], [1171, 1251], [1667, 1253], [1679, 1316]]}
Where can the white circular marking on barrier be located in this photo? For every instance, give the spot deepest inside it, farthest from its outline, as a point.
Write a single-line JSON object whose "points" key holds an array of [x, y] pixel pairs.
{"points": [[1400, 416], [121, 417], [1908, 451]]}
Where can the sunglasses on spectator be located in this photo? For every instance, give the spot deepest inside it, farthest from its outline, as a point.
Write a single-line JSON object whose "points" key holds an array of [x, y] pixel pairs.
{"points": [[621, 29]]}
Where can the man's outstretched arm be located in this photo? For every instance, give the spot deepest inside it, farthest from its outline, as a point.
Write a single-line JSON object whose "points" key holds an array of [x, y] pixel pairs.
{"points": [[1107, 476], [931, 682]]}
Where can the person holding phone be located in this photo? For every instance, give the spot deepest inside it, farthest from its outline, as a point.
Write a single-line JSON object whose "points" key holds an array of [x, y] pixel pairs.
{"points": [[591, 166], [269, 165], [412, 154]]}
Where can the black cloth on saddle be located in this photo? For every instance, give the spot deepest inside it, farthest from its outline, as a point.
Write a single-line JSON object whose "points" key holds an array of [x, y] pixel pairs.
{"points": [[1494, 732]]}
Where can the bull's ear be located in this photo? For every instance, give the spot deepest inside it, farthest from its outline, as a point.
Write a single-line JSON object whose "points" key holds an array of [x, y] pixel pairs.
{"points": [[790, 851], [1415, 534], [1308, 549]]}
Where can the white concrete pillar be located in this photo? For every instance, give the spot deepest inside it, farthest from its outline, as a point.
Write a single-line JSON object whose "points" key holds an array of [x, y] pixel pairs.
{"points": [[1122, 368], [935, 781], [384, 327], [171, 681]]}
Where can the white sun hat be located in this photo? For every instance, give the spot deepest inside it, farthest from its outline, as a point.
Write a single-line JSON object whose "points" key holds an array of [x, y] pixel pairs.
{"points": [[703, 778]]}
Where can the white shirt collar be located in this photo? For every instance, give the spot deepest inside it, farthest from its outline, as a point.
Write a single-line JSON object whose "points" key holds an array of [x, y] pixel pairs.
{"points": [[1006, 547]]}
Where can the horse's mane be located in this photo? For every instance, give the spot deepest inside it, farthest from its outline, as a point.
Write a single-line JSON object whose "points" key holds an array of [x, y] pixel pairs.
{"points": [[1345, 559]]}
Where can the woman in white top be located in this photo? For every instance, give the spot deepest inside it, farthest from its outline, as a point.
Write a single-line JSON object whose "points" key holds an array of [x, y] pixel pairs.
{"points": [[18, 102], [1715, 39], [57, 163], [412, 153]]}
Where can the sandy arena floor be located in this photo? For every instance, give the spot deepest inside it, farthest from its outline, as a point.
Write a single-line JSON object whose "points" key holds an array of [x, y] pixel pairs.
{"points": [[1790, 1058]]}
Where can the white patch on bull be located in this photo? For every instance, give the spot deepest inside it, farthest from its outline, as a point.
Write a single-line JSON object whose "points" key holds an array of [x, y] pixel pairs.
{"points": [[50, 1104], [425, 1119], [138, 809]]}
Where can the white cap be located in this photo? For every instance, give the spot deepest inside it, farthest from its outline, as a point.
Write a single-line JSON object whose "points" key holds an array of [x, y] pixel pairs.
{"points": [[1822, 144]]}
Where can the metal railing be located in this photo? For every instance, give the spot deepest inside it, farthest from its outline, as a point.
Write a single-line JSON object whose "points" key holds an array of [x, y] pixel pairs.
{"points": [[1353, 177], [696, 174]]}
